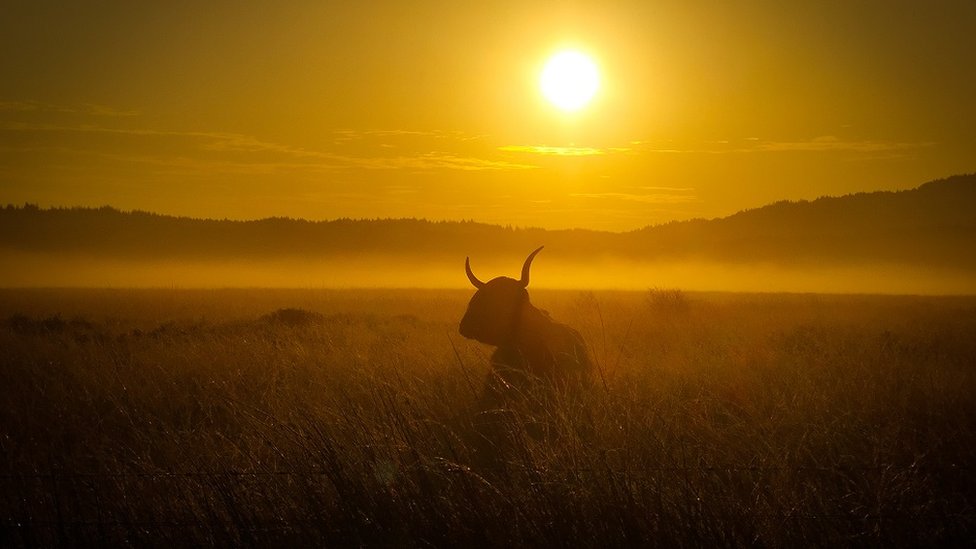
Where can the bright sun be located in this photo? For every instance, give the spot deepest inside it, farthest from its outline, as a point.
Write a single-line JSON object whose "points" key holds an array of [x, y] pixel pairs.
{"points": [[569, 80]]}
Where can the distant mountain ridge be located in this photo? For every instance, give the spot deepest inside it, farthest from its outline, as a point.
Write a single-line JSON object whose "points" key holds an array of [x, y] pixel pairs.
{"points": [[934, 224]]}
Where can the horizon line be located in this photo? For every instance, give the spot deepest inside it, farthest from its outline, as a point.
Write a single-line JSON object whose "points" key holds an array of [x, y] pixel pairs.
{"points": [[32, 205]]}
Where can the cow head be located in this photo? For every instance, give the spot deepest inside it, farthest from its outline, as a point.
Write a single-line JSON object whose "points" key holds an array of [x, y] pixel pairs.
{"points": [[493, 312]]}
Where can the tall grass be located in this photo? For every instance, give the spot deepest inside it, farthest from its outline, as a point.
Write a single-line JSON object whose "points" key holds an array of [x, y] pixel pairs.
{"points": [[268, 417]]}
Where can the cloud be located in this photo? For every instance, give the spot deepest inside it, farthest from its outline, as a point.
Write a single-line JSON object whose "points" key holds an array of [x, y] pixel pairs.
{"points": [[401, 189], [438, 161], [92, 109], [829, 143], [242, 149], [104, 110], [672, 189], [562, 151], [344, 136], [18, 106], [653, 198], [753, 145]]}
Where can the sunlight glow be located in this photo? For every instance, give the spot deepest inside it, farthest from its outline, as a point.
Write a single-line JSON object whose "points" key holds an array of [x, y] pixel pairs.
{"points": [[569, 80]]}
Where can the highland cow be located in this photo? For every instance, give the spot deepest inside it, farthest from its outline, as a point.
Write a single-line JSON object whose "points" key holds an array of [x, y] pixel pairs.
{"points": [[533, 350]]}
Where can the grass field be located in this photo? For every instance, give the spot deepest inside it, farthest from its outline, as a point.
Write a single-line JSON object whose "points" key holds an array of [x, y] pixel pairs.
{"points": [[270, 417]]}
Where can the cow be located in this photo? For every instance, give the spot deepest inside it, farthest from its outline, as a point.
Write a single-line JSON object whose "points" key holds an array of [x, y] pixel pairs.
{"points": [[532, 350]]}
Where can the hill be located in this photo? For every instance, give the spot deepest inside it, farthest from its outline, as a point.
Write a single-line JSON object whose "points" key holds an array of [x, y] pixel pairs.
{"points": [[908, 233], [933, 224]]}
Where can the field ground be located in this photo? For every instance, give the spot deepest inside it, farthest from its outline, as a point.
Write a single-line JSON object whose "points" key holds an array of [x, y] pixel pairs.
{"points": [[317, 417]]}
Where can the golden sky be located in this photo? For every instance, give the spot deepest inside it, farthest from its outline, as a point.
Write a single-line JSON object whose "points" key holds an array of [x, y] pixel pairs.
{"points": [[431, 109]]}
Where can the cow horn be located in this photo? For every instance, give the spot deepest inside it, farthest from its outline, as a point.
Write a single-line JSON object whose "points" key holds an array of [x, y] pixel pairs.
{"points": [[527, 265], [474, 280]]}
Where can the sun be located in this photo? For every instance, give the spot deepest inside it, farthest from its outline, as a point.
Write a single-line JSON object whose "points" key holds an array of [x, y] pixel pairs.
{"points": [[569, 80]]}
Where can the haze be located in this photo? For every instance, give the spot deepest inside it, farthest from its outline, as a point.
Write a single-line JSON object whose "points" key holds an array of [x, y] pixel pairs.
{"points": [[45, 271], [422, 109]]}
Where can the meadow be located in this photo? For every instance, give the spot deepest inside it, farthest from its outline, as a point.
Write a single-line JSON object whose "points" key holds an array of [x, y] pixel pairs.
{"points": [[338, 418]]}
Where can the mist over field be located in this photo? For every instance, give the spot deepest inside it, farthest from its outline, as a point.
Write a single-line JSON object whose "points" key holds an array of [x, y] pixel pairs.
{"points": [[46, 270], [915, 242]]}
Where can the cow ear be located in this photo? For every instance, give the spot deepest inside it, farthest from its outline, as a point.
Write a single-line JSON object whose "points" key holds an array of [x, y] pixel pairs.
{"points": [[528, 264], [474, 280]]}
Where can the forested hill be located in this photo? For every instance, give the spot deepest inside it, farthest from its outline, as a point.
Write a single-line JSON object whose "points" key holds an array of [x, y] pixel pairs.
{"points": [[934, 224]]}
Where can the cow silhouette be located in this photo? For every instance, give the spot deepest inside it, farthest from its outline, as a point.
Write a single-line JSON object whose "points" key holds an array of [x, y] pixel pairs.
{"points": [[533, 351]]}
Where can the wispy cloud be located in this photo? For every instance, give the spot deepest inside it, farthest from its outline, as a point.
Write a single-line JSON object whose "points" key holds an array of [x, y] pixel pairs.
{"points": [[829, 143], [188, 166], [751, 145], [562, 151], [650, 198], [343, 136], [92, 109], [105, 110], [670, 189], [294, 157], [19, 106], [438, 161], [401, 189], [422, 161]]}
